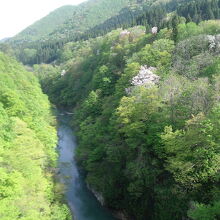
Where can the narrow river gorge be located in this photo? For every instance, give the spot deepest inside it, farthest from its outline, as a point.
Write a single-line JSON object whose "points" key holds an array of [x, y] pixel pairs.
{"points": [[81, 201]]}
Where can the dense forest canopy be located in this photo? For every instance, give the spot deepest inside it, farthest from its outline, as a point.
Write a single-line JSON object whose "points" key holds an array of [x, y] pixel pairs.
{"points": [[146, 108], [71, 19], [27, 148], [98, 17], [45, 26]]}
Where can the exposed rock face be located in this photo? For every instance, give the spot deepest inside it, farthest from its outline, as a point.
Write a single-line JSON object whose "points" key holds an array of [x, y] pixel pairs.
{"points": [[121, 215], [98, 195], [118, 214]]}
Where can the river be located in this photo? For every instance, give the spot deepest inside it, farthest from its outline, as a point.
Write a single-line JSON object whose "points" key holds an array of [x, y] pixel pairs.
{"points": [[81, 201]]}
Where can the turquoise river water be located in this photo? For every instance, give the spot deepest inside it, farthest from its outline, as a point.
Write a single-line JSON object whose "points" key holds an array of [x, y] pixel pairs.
{"points": [[81, 201]]}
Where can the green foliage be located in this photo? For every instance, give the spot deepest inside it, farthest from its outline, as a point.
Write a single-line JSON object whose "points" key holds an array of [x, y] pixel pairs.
{"points": [[27, 148], [157, 55], [192, 29], [209, 212], [191, 155], [199, 10], [43, 41], [46, 25], [150, 149]]}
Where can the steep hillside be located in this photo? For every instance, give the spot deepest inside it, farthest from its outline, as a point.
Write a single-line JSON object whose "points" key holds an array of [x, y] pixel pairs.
{"points": [[91, 13], [46, 25], [27, 148], [146, 106], [42, 41], [147, 113], [71, 19], [94, 22]]}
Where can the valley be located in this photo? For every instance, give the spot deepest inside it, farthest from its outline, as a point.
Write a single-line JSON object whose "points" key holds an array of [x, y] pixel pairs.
{"points": [[140, 82]]}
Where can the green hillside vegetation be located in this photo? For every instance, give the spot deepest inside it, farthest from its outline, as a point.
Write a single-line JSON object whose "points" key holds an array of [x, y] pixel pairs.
{"points": [[46, 25], [146, 110], [97, 18], [27, 149], [152, 150], [91, 13], [42, 41], [158, 13], [71, 19]]}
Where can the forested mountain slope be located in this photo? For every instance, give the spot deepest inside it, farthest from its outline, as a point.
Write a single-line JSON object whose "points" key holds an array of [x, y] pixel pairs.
{"points": [[147, 113], [27, 148], [42, 28], [91, 13], [42, 41], [71, 19], [146, 106], [157, 13], [98, 20]]}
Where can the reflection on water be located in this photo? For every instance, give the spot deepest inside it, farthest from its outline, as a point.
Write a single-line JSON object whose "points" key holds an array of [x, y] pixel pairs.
{"points": [[80, 200]]}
